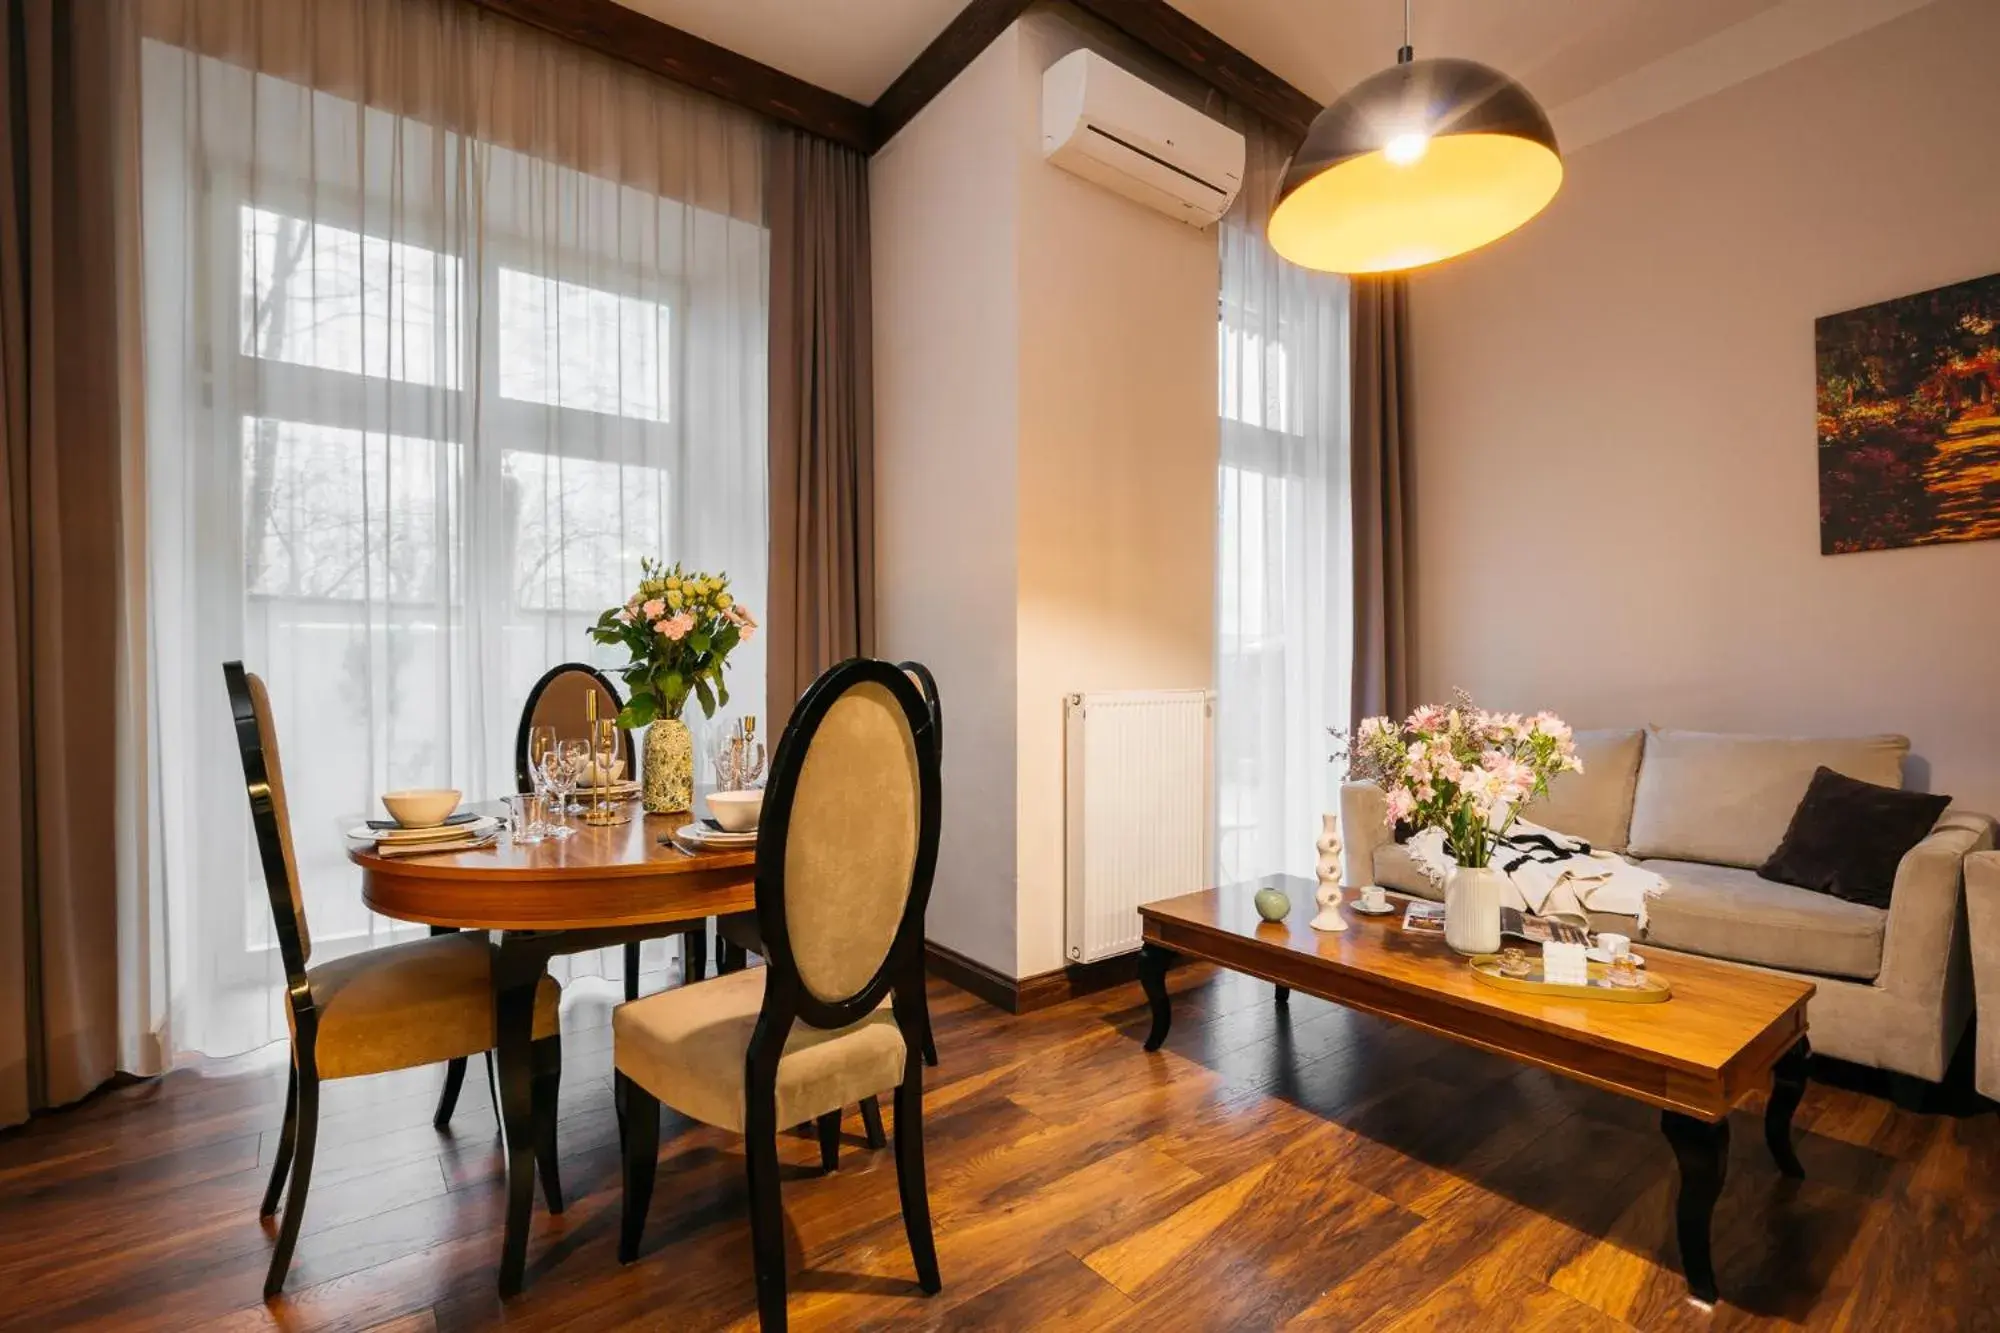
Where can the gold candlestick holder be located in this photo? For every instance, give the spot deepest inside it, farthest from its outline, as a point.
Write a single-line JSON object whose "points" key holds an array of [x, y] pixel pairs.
{"points": [[603, 746]]}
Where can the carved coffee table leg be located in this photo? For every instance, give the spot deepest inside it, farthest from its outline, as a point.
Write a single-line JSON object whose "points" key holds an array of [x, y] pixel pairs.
{"points": [[1788, 1085], [1153, 961], [1702, 1150]]}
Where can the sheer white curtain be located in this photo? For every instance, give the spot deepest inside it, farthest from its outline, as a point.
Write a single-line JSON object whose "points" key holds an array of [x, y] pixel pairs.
{"points": [[448, 323], [1283, 631]]}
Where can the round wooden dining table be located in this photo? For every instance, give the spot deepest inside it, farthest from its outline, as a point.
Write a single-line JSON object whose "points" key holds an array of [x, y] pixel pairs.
{"points": [[607, 885]]}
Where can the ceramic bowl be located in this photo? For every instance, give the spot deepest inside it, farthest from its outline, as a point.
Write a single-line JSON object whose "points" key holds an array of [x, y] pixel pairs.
{"points": [[420, 807], [736, 811], [614, 773]]}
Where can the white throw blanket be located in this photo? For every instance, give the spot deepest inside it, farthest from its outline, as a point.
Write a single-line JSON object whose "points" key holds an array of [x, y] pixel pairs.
{"points": [[1567, 875]]}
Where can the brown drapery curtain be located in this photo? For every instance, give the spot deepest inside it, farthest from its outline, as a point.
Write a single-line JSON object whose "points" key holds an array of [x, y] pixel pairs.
{"points": [[822, 418], [60, 376], [1379, 462]]}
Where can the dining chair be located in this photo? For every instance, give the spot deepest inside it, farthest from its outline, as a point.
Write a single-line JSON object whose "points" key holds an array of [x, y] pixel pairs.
{"points": [[419, 1003], [848, 844], [558, 700], [736, 936]]}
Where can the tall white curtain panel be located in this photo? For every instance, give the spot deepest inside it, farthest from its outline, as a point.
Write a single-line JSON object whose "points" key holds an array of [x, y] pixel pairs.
{"points": [[1283, 631], [448, 323]]}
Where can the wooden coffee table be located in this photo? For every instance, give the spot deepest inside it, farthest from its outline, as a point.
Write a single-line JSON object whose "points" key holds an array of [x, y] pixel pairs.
{"points": [[1726, 1032]]}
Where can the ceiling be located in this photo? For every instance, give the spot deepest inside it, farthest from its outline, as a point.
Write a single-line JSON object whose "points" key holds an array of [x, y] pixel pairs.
{"points": [[1562, 50]]}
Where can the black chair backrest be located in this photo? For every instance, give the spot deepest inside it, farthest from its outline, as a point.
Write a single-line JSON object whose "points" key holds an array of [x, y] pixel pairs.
{"points": [[928, 684], [557, 700], [847, 848], [264, 783]]}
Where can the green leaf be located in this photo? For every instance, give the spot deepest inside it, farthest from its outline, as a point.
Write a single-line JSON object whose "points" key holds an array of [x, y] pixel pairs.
{"points": [[707, 696], [699, 640], [641, 710]]}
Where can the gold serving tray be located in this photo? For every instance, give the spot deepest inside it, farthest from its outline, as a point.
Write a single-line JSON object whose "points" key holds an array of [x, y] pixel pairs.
{"points": [[1650, 990]]}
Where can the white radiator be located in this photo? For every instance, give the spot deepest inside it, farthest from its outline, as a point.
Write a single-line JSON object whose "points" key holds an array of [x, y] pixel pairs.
{"points": [[1138, 809]]}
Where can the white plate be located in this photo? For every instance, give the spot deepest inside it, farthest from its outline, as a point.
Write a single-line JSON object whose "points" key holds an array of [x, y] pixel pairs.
{"points": [[1597, 955], [1389, 908], [702, 834], [485, 824]]}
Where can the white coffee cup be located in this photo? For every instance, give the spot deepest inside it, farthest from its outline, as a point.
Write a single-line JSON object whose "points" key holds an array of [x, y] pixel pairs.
{"points": [[1615, 945], [1374, 898]]}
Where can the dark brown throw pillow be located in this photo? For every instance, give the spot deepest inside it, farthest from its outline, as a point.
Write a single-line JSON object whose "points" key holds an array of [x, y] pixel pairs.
{"points": [[1847, 837]]}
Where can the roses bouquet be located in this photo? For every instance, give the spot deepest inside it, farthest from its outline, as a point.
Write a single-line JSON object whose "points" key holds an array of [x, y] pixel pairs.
{"points": [[1462, 769], [680, 627]]}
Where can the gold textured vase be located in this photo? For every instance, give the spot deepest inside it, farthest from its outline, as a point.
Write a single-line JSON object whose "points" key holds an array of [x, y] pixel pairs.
{"points": [[669, 768]]}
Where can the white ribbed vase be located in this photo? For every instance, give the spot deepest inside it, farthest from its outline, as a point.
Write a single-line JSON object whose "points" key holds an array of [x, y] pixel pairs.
{"points": [[1472, 909]]}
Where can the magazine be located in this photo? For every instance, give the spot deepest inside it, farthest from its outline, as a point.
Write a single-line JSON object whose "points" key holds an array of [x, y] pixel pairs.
{"points": [[1542, 929], [1425, 917], [1428, 918]]}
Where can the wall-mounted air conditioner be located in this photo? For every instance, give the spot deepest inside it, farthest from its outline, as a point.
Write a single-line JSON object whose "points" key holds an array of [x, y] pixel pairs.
{"points": [[1114, 128]]}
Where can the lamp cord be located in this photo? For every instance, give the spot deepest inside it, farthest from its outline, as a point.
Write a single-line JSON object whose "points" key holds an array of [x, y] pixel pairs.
{"points": [[1406, 54]]}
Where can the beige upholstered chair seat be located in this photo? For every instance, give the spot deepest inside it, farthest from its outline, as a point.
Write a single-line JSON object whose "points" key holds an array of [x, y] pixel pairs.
{"points": [[686, 1047], [411, 1004]]}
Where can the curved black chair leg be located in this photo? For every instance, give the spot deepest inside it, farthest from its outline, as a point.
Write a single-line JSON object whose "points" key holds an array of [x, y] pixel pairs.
{"points": [[547, 1083], [295, 1201], [639, 1135], [930, 1042], [493, 1091], [287, 1136], [829, 1141], [871, 1121], [454, 1079], [910, 1181], [632, 970], [767, 1217]]}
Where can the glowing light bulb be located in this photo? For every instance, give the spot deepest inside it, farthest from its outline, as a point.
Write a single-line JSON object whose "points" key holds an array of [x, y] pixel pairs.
{"points": [[1404, 149]]}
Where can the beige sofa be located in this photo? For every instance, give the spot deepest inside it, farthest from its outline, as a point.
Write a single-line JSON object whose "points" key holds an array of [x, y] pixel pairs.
{"points": [[1982, 909], [1704, 810]]}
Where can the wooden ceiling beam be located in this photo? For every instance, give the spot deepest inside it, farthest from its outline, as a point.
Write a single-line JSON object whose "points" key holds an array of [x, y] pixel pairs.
{"points": [[612, 29], [1161, 28], [625, 34], [969, 33]]}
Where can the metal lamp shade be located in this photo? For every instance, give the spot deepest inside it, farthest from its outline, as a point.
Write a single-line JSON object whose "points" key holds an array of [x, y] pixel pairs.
{"points": [[1479, 159]]}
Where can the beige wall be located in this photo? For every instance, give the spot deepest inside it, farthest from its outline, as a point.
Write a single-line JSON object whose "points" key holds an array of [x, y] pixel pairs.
{"points": [[1046, 452], [1617, 495], [1118, 448], [944, 218]]}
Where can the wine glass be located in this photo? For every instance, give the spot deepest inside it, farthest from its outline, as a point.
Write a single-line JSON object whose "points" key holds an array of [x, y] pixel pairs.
{"points": [[576, 769], [557, 779]]}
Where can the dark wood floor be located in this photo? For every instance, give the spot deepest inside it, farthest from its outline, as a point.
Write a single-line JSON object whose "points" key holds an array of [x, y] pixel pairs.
{"points": [[1323, 1170]]}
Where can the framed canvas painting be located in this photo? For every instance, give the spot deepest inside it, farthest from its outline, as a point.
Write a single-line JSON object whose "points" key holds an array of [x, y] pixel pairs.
{"points": [[1909, 420]]}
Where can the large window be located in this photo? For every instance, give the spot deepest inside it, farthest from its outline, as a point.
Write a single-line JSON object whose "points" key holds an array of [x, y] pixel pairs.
{"points": [[419, 403]]}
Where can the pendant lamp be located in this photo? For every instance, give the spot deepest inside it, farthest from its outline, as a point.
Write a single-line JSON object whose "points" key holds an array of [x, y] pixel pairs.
{"points": [[1426, 160]]}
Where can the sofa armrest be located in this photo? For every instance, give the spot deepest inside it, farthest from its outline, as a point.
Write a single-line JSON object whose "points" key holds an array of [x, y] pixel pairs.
{"points": [[1982, 914], [1920, 947], [1364, 826]]}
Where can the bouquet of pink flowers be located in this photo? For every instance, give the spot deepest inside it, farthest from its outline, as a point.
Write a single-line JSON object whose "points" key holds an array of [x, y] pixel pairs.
{"points": [[1462, 769], [680, 627]]}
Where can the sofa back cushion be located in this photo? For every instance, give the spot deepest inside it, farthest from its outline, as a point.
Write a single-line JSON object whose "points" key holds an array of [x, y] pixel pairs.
{"points": [[1728, 799], [1596, 804]]}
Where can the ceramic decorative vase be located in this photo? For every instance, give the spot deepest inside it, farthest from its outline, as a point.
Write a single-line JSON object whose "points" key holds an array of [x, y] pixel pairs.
{"points": [[669, 767], [1328, 873], [1472, 909], [1273, 904]]}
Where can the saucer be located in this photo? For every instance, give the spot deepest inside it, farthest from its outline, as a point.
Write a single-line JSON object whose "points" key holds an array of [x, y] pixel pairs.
{"points": [[1386, 909], [1597, 955], [702, 836]]}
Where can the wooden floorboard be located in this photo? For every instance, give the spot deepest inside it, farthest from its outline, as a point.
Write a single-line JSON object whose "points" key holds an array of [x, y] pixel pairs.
{"points": [[1307, 1169]]}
